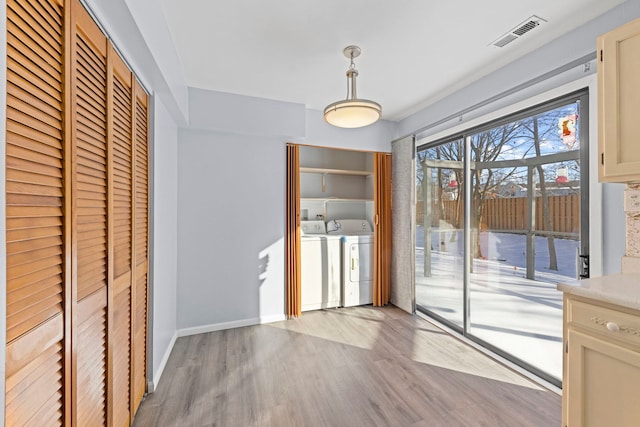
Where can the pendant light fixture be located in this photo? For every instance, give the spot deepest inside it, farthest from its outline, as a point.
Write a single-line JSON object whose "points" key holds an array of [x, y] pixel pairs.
{"points": [[352, 112]]}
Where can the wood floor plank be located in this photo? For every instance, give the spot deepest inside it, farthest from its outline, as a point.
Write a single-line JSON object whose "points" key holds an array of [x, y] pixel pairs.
{"points": [[360, 366]]}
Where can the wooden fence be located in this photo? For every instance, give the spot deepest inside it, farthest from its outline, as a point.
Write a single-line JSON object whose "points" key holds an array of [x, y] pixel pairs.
{"points": [[510, 214]]}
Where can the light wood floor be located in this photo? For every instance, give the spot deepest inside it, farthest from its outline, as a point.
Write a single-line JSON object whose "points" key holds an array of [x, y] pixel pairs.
{"points": [[359, 366]]}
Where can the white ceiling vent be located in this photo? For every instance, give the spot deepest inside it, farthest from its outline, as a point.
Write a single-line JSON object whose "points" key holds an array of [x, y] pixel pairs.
{"points": [[519, 30]]}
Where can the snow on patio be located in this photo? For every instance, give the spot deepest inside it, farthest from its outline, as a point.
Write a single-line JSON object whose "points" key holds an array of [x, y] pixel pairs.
{"points": [[520, 316]]}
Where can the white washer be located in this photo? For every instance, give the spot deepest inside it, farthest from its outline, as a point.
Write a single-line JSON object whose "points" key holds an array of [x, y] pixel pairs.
{"points": [[321, 267], [357, 260]]}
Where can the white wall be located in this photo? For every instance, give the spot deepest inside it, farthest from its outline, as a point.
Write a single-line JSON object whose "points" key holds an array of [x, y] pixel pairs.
{"points": [[164, 238], [247, 115], [231, 219], [231, 198]]}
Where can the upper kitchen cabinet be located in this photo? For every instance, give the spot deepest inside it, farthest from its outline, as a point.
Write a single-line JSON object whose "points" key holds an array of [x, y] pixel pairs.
{"points": [[619, 104]]}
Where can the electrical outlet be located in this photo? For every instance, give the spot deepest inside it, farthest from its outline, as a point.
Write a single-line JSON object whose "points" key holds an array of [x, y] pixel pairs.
{"points": [[632, 200]]}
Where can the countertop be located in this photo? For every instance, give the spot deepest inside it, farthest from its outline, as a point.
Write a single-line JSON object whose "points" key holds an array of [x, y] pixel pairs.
{"points": [[619, 289]]}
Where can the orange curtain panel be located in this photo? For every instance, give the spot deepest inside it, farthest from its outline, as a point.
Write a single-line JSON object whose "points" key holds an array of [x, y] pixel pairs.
{"points": [[294, 300], [382, 230]]}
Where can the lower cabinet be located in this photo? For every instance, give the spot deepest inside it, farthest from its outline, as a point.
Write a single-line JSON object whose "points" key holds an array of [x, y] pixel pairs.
{"points": [[602, 365]]}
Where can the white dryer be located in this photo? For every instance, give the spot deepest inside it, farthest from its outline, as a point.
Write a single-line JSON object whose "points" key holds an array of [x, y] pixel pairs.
{"points": [[357, 260], [321, 267]]}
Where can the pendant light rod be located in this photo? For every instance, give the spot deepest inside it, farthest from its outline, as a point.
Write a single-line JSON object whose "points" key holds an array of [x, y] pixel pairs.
{"points": [[351, 52], [352, 112], [351, 84]]}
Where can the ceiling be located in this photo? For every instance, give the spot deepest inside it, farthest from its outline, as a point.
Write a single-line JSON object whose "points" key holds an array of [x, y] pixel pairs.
{"points": [[414, 52]]}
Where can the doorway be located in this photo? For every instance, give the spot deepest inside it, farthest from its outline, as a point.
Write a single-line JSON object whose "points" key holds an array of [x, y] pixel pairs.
{"points": [[341, 199], [501, 219]]}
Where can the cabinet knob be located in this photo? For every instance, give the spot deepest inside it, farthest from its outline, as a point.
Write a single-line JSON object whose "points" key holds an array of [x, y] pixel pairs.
{"points": [[613, 327]]}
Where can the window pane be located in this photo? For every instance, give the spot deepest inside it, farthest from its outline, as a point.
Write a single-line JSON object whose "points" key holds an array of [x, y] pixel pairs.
{"points": [[439, 238]]}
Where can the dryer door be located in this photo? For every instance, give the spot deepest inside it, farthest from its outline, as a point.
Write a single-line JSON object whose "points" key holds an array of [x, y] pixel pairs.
{"points": [[358, 272], [360, 262]]}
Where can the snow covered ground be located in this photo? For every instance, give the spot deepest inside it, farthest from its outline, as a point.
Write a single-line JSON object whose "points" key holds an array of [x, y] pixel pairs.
{"points": [[522, 317]]}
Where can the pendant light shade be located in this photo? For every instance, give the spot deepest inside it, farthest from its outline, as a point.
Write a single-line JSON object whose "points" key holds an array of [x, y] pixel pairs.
{"points": [[352, 112]]}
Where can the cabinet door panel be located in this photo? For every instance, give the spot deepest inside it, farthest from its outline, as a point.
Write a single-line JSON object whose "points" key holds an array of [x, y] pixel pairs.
{"points": [[619, 103], [603, 383]]}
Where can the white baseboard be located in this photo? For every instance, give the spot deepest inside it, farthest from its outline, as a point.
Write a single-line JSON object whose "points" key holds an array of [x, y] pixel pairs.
{"points": [[151, 386], [230, 325]]}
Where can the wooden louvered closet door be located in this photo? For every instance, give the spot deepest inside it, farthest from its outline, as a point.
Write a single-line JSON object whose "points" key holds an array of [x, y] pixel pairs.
{"points": [[121, 234], [77, 222], [35, 354], [89, 218]]}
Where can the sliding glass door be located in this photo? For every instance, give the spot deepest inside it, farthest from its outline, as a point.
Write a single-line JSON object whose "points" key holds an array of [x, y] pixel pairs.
{"points": [[500, 223], [440, 231]]}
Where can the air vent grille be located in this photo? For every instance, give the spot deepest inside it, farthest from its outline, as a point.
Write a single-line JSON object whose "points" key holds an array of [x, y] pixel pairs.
{"points": [[519, 31], [530, 25]]}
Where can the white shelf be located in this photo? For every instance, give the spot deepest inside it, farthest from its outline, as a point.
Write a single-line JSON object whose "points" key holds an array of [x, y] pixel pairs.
{"points": [[335, 171]]}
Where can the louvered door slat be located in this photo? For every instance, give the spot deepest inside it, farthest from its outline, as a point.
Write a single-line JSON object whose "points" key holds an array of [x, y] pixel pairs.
{"points": [[33, 189], [34, 226], [34, 49], [28, 120], [21, 224], [16, 128], [35, 146], [35, 153], [45, 92], [18, 212], [89, 186], [51, 284], [46, 11], [32, 15], [38, 99], [22, 64], [36, 265], [18, 259], [35, 295]]}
